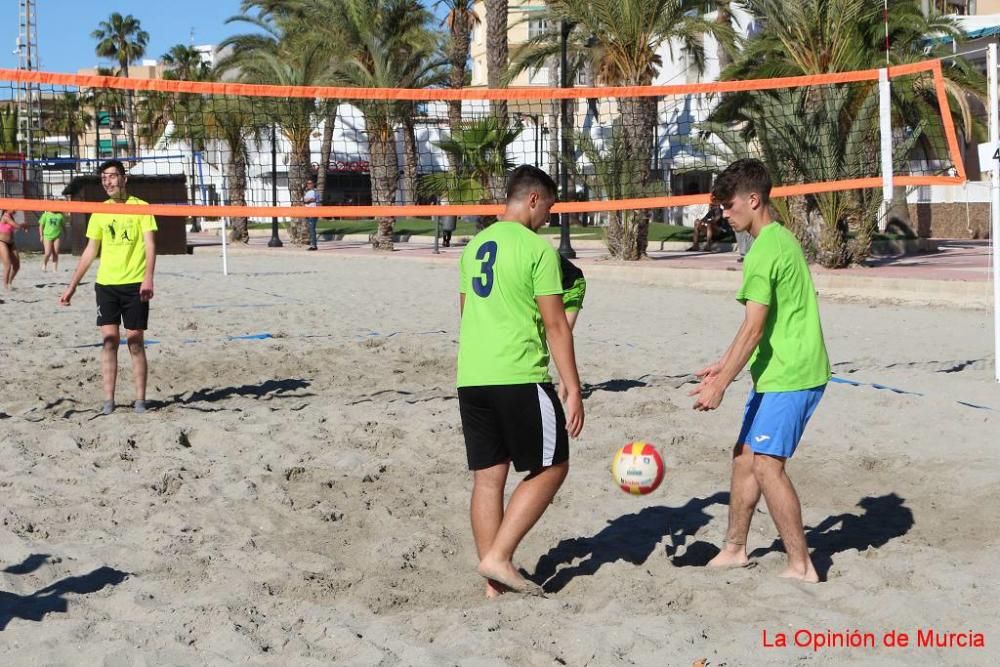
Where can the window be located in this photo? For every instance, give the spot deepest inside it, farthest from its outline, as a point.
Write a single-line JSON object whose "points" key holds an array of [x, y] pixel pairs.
{"points": [[538, 76], [960, 7], [537, 27]]}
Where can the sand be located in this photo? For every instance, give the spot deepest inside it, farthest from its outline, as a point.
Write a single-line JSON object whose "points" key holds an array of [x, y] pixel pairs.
{"points": [[301, 499]]}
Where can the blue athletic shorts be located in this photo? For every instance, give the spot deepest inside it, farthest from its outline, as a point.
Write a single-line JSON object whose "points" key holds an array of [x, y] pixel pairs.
{"points": [[773, 422]]}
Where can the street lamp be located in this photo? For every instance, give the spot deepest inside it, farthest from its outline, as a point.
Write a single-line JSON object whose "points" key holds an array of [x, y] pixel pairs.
{"points": [[275, 242], [565, 248]]}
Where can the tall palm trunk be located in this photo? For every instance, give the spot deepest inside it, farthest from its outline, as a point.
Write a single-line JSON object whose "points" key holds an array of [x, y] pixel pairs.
{"points": [[553, 121], [410, 158], [496, 51], [384, 170], [236, 173], [458, 54], [325, 148], [639, 118], [723, 17], [298, 172]]}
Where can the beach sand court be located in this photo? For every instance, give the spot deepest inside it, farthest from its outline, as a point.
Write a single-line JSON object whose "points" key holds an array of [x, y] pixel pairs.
{"points": [[298, 493]]}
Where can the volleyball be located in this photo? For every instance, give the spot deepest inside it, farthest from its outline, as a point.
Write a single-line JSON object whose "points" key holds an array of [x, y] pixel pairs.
{"points": [[637, 468]]}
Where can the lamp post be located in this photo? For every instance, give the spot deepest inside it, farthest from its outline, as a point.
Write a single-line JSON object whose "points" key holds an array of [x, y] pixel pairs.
{"points": [[275, 242], [565, 248]]}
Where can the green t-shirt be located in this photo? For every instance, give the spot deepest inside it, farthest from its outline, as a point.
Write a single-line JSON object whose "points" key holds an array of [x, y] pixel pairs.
{"points": [[791, 354], [502, 337], [52, 225], [123, 248], [574, 285]]}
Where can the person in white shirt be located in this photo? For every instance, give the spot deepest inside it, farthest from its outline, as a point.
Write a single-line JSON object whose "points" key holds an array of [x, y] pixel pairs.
{"points": [[309, 199]]}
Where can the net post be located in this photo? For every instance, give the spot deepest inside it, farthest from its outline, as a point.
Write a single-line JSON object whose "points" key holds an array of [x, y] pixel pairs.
{"points": [[437, 233], [225, 254], [275, 241], [885, 135], [994, 93]]}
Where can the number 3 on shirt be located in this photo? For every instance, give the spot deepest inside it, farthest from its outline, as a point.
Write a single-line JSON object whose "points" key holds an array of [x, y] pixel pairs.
{"points": [[488, 254]]}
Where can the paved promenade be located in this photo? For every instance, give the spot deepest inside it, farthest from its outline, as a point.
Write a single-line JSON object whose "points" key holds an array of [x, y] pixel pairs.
{"points": [[958, 274]]}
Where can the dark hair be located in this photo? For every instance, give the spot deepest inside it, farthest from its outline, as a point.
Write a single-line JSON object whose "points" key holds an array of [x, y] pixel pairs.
{"points": [[527, 178], [107, 164], [742, 177]]}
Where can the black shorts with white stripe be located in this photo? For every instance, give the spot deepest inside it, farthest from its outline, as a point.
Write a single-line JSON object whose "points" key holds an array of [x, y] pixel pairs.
{"points": [[521, 423]]}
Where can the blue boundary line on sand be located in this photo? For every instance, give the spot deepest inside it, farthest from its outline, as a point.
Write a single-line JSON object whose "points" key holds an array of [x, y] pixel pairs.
{"points": [[855, 383], [266, 335]]}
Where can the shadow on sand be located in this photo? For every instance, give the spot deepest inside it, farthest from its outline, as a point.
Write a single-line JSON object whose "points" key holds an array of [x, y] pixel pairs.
{"points": [[631, 538], [884, 518], [52, 598]]}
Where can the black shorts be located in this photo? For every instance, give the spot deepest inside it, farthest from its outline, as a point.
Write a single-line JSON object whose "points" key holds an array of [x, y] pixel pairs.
{"points": [[522, 423], [120, 304]]}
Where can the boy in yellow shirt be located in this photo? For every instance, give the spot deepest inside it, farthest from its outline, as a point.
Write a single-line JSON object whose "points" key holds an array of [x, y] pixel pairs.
{"points": [[126, 246]]}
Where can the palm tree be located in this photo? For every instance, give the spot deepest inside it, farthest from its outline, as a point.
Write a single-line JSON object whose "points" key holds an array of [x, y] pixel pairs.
{"points": [[620, 39], [823, 36], [544, 51], [497, 50], [478, 158], [461, 19], [609, 169], [377, 44], [185, 63], [807, 135], [182, 113], [724, 17], [122, 39], [313, 16], [282, 54], [231, 120], [66, 116], [385, 44]]}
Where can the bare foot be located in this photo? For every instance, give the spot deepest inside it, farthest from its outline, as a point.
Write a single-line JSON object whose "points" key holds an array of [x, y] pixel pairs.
{"points": [[504, 573], [808, 574], [732, 555], [494, 589]]}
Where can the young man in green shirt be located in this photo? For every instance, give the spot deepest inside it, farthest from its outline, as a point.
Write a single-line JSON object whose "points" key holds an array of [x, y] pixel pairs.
{"points": [[512, 316], [50, 229], [126, 246], [782, 338]]}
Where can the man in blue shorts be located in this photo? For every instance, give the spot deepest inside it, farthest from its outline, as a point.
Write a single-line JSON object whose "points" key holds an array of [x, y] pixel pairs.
{"points": [[782, 338]]}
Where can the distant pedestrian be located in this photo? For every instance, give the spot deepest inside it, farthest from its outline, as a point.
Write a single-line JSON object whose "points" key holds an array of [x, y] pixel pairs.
{"points": [[309, 199]]}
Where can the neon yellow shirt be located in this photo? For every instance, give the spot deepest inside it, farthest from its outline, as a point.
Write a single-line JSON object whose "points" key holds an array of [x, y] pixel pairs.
{"points": [[791, 355], [123, 248], [502, 337]]}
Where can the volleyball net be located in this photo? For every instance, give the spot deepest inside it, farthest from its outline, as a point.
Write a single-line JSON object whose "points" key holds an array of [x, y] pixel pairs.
{"points": [[234, 149]]}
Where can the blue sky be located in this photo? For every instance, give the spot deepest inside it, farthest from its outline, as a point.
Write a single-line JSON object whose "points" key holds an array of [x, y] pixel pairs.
{"points": [[64, 27]]}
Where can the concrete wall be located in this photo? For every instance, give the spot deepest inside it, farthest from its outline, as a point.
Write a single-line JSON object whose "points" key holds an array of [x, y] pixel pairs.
{"points": [[951, 221]]}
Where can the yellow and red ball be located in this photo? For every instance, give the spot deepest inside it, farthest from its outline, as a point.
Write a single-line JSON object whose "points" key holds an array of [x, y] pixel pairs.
{"points": [[637, 468]]}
